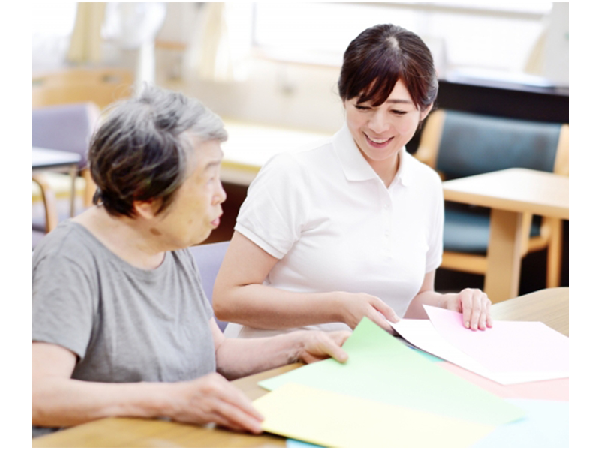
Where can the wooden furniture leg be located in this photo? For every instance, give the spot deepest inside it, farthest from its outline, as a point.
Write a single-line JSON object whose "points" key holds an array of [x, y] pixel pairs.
{"points": [[504, 255]]}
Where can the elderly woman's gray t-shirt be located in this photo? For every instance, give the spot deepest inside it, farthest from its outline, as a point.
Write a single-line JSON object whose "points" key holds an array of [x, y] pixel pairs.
{"points": [[125, 324]]}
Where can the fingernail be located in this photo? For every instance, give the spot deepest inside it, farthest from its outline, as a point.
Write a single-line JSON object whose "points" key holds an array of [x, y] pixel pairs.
{"points": [[468, 325]]}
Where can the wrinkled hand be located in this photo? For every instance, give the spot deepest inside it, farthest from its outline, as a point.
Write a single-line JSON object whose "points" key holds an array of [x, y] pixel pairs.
{"points": [[319, 345], [475, 308], [357, 306], [212, 399]]}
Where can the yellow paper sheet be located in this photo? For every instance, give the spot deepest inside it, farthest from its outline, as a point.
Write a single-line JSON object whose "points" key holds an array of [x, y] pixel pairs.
{"points": [[337, 420]]}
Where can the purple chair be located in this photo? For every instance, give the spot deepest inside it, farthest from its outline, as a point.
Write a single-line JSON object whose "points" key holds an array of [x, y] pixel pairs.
{"points": [[208, 258], [69, 128]]}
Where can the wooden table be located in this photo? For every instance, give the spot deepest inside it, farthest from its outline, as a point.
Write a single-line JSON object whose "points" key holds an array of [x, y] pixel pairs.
{"points": [[43, 159], [550, 306], [510, 193]]}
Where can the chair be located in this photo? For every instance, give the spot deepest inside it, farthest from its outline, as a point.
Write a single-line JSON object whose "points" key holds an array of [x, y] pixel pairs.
{"points": [[208, 258], [50, 211], [458, 144], [67, 128], [101, 86]]}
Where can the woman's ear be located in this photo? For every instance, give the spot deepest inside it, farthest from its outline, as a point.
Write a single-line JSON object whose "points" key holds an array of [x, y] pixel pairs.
{"points": [[145, 210]]}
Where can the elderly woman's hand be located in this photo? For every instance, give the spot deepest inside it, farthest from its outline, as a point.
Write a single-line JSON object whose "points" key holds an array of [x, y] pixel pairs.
{"points": [[318, 345], [213, 399], [474, 306]]}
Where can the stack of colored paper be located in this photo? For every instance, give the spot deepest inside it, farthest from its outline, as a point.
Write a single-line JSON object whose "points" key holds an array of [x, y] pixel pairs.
{"points": [[509, 352], [386, 395]]}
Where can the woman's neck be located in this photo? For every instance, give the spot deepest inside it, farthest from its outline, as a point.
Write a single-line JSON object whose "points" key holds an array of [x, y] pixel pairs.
{"points": [[386, 169], [123, 236]]}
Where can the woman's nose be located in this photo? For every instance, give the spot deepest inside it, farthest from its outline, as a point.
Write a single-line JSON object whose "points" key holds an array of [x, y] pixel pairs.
{"points": [[378, 122], [221, 195]]}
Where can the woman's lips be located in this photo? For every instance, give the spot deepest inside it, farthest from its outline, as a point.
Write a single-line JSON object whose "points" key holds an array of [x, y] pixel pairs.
{"points": [[215, 223], [379, 143]]}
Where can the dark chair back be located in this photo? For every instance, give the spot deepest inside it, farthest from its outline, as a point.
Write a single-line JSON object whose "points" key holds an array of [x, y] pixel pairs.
{"points": [[208, 258], [472, 144]]}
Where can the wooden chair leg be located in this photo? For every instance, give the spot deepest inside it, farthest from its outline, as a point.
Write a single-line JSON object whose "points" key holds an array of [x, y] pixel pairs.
{"points": [[49, 201], [554, 254]]}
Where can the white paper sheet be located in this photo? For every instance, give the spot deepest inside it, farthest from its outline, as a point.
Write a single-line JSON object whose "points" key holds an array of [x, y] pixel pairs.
{"points": [[422, 334]]}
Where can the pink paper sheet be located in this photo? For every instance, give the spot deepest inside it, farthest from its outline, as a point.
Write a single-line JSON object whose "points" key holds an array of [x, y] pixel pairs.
{"points": [[508, 346], [557, 389]]}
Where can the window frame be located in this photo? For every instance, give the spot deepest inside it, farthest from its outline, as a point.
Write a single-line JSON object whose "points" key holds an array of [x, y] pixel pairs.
{"points": [[332, 59]]}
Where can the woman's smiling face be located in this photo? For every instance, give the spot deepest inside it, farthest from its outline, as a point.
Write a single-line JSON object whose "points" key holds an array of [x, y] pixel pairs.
{"points": [[380, 132]]}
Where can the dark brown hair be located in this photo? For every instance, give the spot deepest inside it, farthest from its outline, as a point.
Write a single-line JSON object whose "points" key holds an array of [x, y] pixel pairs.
{"points": [[142, 149], [381, 56]]}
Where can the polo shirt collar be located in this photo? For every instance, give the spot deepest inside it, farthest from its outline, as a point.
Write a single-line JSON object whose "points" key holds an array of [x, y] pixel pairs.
{"points": [[406, 172], [356, 167]]}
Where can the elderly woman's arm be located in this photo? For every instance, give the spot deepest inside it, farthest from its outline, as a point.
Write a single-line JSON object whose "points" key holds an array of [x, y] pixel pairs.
{"points": [[59, 401], [241, 357]]}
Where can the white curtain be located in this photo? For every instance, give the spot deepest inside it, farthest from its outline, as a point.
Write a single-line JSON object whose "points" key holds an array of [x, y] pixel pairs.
{"points": [[86, 39], [136, 27], [220, 48], [535, 61]]}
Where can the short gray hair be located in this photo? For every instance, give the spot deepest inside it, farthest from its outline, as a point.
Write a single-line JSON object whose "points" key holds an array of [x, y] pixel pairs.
{"points": [[142, 149]]}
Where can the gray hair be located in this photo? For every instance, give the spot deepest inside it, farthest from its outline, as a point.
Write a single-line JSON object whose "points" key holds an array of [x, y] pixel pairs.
{"points": [[142, 149]]}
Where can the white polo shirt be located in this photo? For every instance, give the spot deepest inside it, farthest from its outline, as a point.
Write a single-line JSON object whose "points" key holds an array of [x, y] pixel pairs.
{"points": [[334, 226]]}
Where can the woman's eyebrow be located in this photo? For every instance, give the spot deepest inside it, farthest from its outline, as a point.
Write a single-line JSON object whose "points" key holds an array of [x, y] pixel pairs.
{"points": [[391, 100], [211, 164]]}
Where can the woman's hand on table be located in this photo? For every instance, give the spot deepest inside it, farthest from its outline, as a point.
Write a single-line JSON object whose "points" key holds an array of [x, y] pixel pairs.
{"points": [[474, 306], [212, 399], [318, 345]]}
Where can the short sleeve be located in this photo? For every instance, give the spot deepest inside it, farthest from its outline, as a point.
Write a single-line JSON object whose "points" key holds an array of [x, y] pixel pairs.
{"points": [[63, 305], [436, 229], [273, 213]]}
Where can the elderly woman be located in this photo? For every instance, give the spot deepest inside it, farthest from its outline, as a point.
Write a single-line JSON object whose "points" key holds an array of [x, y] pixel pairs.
{"points": [[353, 227], [121, 326]]}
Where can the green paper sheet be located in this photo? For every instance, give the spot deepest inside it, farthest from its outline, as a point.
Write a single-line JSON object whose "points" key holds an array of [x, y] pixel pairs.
{"points": [[336, 420], [381, 369]]}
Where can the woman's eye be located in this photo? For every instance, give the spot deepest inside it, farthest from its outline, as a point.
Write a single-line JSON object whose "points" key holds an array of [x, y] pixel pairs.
{"points": [[361, 107], [398, 113]]}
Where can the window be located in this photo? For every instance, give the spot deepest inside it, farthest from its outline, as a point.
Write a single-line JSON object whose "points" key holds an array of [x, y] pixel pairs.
{"points": [[51, 30], [497, 36]]}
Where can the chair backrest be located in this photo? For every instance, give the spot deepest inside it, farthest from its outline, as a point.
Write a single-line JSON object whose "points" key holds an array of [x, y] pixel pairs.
{"points": [[101, 86], [208, 258], [65, 127], [471, 144]]}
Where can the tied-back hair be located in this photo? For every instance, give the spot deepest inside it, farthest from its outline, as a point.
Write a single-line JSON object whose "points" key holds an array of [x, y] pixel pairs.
{"points": [[381, 56], [142, 149]]}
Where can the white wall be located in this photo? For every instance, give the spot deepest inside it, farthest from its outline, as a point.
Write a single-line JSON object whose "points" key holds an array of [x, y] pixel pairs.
{"points": [[291, 95], [556, 61], [277, 93]]}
